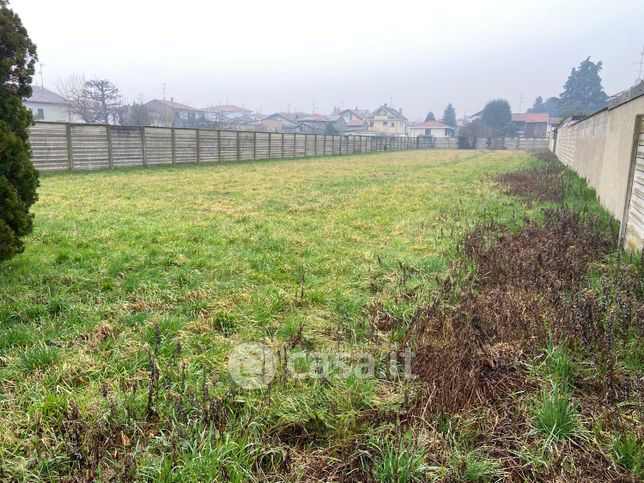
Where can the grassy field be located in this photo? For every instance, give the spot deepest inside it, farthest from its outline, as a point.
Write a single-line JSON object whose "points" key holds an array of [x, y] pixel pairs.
{"points": [[117, 321]]}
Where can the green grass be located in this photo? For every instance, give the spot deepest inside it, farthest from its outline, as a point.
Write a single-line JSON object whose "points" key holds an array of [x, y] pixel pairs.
{"points": [[184, 263], [558, 364], [628, 452], [555, 414], [398, 460]]}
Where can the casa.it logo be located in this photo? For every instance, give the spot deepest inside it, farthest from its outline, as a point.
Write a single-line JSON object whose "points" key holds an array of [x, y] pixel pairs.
{"points": [[252, 365]]}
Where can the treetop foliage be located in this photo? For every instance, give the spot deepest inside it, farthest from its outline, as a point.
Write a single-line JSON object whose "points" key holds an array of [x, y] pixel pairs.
{"points": [[449, 116], [583, 92]]}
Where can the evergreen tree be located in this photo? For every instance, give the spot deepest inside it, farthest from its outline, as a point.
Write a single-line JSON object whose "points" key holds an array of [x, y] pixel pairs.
{"points": [[449, 116], [430, 117], [583, 92], [18, 178], [538, 105], [550, 105]]}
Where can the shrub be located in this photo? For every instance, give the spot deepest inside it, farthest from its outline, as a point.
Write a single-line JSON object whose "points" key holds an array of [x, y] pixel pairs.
{"points": [[18, 178]]}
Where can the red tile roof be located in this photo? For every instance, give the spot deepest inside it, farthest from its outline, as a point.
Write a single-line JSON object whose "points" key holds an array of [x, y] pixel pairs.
{"points": [[313, 117], [530, 117]]}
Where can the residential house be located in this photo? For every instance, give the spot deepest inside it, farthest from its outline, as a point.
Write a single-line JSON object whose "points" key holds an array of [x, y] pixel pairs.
{"points": [[350, 114], [431, 128], [356, 125], [314, 123], [302, 122], [350, 120], [49, 106], [387, 120], [279, 122], [228, 113], [532, 124], [320, 124], [174, 114]]}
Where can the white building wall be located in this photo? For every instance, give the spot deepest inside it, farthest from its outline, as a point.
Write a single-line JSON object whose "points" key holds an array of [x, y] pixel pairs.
{"points": [[422, 131], [50, 112]]}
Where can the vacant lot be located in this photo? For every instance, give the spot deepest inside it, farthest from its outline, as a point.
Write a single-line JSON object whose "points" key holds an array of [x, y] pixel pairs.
{"points": [[117, 321]]}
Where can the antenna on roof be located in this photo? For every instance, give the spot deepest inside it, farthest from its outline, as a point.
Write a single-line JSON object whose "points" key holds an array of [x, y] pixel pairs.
{"points": [[641, 63], [164, 91], [40, 66]]}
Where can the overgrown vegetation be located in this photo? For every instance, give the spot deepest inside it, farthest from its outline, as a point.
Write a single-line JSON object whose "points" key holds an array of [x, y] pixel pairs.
{"points": [[524, 317]]}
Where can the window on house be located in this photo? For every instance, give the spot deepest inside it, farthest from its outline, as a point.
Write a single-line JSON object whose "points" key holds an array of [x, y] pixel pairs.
{"points": [[392, 124], [40, 115], [370, 123]]}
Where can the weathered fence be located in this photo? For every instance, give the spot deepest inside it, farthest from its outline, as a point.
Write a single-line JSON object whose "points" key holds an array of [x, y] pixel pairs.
{"points": [[525, 144], [607, 148], [61, 146]]}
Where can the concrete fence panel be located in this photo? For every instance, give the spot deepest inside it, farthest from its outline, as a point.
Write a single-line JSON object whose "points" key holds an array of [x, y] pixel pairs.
{"points": [[62, 146], [603, 148]]}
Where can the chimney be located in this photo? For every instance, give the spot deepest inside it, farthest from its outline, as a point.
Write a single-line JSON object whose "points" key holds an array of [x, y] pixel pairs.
{"points": [[400, 110], [385, 104]]}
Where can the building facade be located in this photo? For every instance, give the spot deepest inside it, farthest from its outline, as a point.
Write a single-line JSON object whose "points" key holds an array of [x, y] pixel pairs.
{"points": [[46, 105], [387, 120], [173, 114], [431, 128]]}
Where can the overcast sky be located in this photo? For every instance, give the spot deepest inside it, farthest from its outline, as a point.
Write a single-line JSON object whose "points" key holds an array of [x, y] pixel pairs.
{"points": [[272, 55]]}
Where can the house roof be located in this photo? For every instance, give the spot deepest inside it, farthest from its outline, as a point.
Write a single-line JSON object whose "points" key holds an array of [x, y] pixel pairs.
{"points": [[530, 117], [355, 122], [391, 111], [285, 116], [227, 108], [313, 118], [44, 95], [175, 105], [361, 113], [430, 125]]}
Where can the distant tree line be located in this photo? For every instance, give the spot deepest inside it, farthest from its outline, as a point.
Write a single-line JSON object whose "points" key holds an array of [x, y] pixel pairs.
{"points": [[582, 94]]}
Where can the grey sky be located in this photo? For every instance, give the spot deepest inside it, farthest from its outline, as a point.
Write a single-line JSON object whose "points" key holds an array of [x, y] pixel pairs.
{"points": [[270, 55]]}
